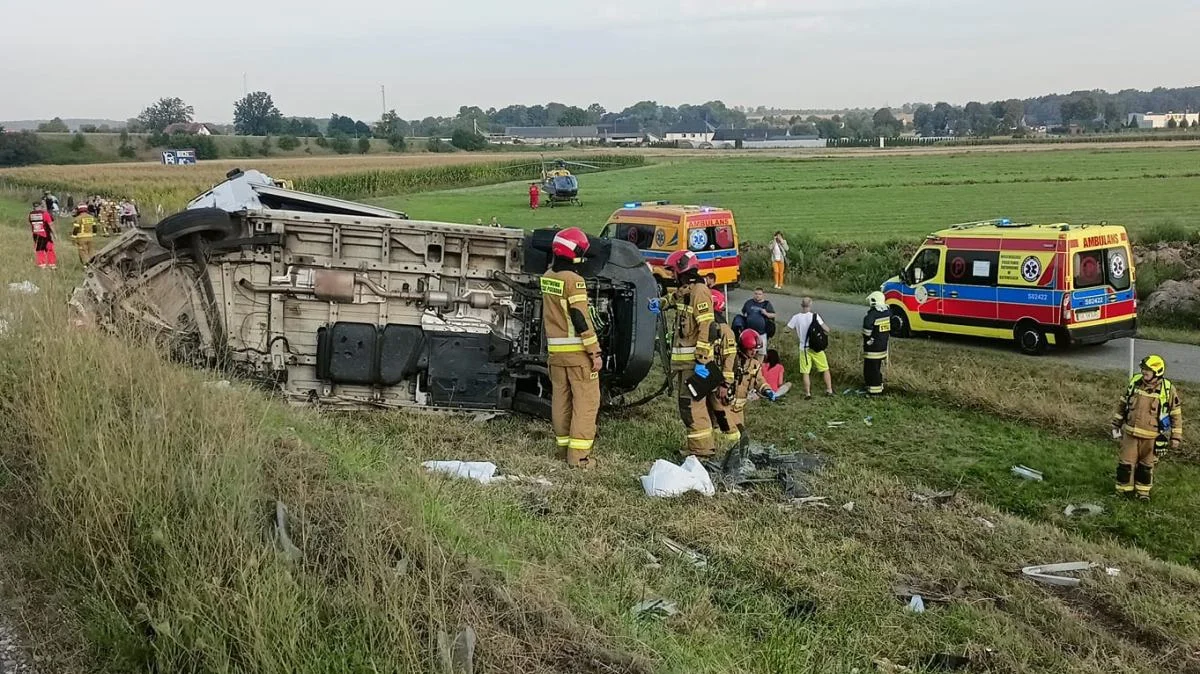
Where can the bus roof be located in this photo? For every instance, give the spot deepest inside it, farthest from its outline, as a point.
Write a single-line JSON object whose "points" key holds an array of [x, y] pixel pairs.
{"points": [[995, 229]]}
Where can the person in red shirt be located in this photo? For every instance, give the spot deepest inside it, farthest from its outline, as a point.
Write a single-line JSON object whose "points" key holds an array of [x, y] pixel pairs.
{"points": [[41, 226], [773, 370], [535, 195]]}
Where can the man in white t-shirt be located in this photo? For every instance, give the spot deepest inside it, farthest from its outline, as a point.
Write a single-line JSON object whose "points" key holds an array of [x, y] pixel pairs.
{"points": [[810, 359]]}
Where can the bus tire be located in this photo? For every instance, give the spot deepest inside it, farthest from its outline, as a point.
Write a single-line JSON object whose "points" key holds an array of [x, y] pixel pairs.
{"points": [[212, 224], [900, 324], [1030, 338]]}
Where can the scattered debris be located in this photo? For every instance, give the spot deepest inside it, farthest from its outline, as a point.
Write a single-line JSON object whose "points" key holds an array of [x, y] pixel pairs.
{"points": [[23, 288], [854, 392], [1083, 509], [888, 667], [666, 479], [480, 471], [1048, 573], [1113, 571], [849, 507], [985, 523], [1027, 473], [654, 607], [482, 417], [798, 503], [916, 604], [282, 538], [835, 424], [457, 657], [810, 436], [694, 558], [869, 421], [224, 383], [907, 592], [651, 561], [936, 498], [947, 662]]}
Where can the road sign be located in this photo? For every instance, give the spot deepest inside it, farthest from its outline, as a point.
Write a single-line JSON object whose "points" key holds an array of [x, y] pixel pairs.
{"points": [[179, 157]]}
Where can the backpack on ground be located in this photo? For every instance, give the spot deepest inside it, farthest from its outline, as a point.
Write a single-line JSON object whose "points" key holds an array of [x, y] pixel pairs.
{"points": [[817, 338]]}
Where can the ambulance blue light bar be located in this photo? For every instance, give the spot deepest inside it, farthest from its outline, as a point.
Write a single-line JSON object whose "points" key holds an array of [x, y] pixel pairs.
{"points": [[638, 204]]}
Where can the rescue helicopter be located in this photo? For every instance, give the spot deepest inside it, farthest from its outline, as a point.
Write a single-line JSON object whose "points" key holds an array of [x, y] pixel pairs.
{"points": [[558, 185]]}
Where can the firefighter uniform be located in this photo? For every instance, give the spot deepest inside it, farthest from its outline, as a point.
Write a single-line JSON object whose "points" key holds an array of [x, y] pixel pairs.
{"points": [[747, 377], [572, 344], [1149, 419], [83, 230], [876, 328], [727, 429], [108, 218], [692, 346]]}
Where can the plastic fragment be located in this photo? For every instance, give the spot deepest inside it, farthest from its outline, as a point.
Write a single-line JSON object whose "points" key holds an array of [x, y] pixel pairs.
{"points": [[23, 288], [835, 424], [849, 507], [916, 604], [282, 538], [810, 436], [666, 479], [480, 471], [694, 558], [1083, 509], [985, 523], [1027, 473], [1113, 571], [1048, 573], [654, 607], [869, 421]]}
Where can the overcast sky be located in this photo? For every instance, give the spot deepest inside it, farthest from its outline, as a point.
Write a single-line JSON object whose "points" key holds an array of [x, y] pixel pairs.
{"points": [[83, 58]]}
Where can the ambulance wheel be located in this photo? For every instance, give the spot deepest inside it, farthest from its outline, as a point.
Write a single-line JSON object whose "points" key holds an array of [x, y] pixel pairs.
{"points": [[212, 224], [900, 324], [1030, 338]]}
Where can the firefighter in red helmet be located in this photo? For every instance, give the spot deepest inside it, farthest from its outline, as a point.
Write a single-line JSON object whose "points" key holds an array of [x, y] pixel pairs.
{"points": [[691, 349], [726, 431], [574, 350]]}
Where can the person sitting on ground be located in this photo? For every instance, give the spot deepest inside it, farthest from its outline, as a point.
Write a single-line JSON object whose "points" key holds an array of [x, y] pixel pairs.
{"points": [[773, 372]]}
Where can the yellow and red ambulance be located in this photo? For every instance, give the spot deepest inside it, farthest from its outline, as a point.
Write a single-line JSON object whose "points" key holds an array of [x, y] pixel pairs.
{"points": [[1035, 284], [659, 228]]}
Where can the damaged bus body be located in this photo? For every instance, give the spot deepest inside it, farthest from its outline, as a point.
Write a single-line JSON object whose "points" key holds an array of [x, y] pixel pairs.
{"points": [[350, 306]]}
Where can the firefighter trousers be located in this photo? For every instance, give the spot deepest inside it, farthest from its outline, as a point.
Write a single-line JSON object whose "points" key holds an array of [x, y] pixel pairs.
{"points": [[84, 246], [1135, 467], [696, 422], [727, 424], [575, 401], [873, 374]]}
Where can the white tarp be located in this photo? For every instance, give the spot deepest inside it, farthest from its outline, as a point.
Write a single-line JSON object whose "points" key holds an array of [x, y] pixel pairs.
{"points": [[666, 479]]}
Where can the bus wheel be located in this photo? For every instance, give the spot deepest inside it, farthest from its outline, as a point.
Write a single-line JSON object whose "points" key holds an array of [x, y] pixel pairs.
{"points": [[1030, 338], [900, 324]]}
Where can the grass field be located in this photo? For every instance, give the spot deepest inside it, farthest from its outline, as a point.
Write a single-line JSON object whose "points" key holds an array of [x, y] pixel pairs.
{"points": [[870, 198], [135, 505]]}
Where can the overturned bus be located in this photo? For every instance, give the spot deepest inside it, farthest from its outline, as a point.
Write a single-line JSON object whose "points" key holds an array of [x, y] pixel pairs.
{"points": [[350, 306]]}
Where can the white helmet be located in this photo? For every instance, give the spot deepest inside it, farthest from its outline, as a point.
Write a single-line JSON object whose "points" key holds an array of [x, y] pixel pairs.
{"points": [[876, 300]]}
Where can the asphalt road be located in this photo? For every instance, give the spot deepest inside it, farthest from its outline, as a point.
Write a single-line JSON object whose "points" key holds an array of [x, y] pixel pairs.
{"points": [[1183, 360]]}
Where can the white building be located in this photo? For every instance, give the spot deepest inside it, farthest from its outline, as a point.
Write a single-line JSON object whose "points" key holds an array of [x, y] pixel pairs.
{"points": [[1162, 120], [691, 132], [552, 135]]}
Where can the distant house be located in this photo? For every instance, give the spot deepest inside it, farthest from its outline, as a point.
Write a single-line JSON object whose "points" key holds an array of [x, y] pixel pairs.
{"points": [[692, 132], [539, 135], [624, 132], [190, 128], [761, 138], [1162, 120]]}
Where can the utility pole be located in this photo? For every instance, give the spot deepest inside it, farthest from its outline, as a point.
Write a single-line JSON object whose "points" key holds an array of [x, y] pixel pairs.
{"points": [[245, 90], [383, 97]]}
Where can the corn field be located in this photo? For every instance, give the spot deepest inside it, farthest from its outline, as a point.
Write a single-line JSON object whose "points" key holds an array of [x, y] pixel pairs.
{"points": [[171, 187]]}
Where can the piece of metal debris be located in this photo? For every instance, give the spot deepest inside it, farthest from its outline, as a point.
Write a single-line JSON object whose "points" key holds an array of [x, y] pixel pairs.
{"points": [[1083, 509], [23, 288], [1048, 573], [916, 604], [986, 524], [654, 607], [1027, 473], [691, 556], [835, 424], [1113, 571], [282, 538], [458, 657], [870, 421], [485, 416]]}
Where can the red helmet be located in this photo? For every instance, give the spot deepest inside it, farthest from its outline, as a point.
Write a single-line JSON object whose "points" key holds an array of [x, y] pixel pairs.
{"points": [[570, 243], [748, 339], [681, 261], [718, 300]]}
